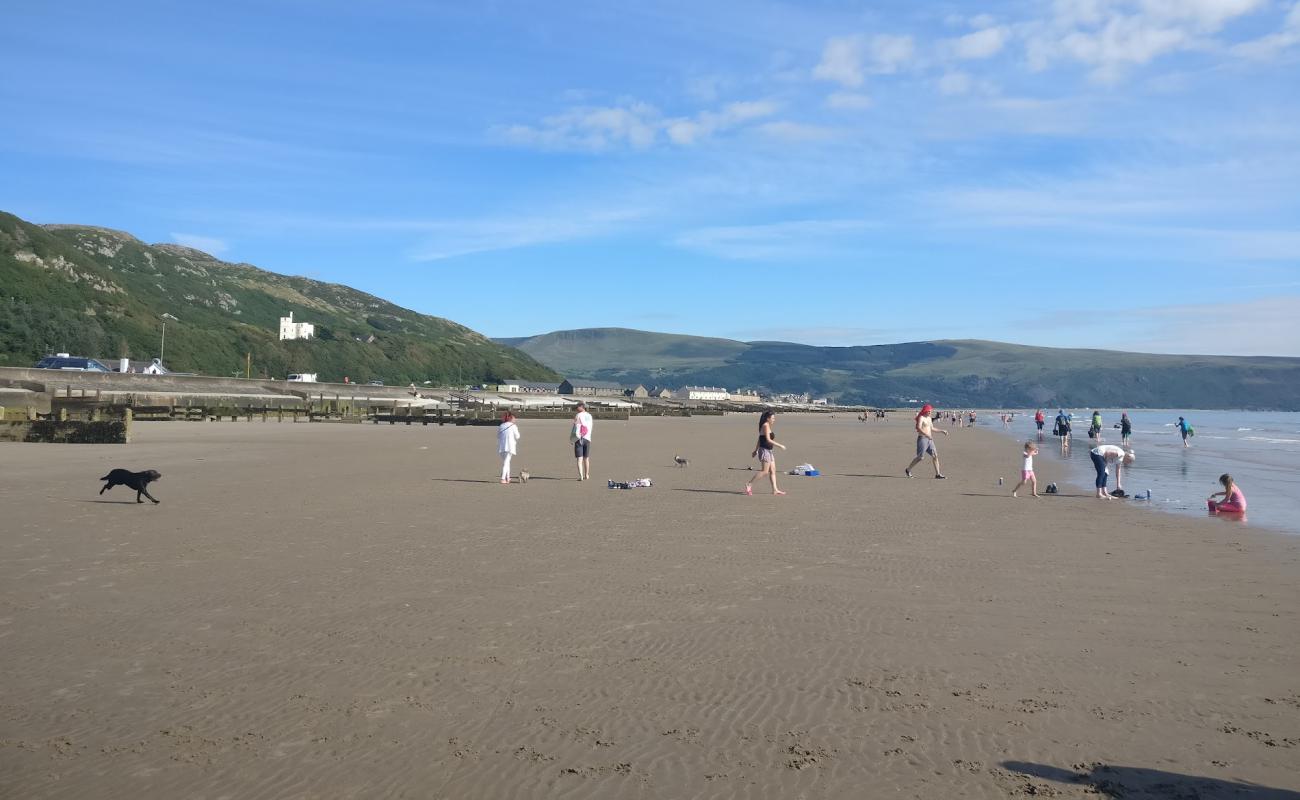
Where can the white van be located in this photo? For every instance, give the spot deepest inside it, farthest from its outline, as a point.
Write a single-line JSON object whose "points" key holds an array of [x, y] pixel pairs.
{"points": [[302, 377]]}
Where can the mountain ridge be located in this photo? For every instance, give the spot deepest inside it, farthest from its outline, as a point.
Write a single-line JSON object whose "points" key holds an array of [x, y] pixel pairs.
{"points": [[101, 292], [965, 372]]}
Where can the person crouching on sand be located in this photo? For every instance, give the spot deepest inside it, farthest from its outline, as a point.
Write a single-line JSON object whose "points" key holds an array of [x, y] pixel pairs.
{"points": [[1105, 454], [764, 450], [1233, 502], [925, 441], [507, 443], [1027, 470]]}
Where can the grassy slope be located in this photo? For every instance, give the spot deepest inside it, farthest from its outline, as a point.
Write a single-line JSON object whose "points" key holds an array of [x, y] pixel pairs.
{"points": [[591, 350], [93, 291]]}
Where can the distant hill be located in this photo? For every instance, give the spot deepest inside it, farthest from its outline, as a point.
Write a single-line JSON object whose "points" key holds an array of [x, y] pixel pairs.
{"points": [[101, 293], [951, 373]]}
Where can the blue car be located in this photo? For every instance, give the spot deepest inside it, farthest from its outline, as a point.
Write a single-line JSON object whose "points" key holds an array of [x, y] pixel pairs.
{"points": [[73, 363]]}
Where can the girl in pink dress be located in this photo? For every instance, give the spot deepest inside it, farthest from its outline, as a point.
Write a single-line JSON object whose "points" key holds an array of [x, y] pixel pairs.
{"points": [[1233, 502]]}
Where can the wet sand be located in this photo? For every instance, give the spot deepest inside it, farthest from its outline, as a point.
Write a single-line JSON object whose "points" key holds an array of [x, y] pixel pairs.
{"points": [[344, 611]]}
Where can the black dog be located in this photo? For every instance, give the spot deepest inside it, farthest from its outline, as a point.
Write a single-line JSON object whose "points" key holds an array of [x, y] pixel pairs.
{"points": [[133, 480]]}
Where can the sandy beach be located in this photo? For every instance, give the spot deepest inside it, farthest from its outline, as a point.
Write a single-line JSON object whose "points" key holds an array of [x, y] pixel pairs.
{"points": [[359, 611]]}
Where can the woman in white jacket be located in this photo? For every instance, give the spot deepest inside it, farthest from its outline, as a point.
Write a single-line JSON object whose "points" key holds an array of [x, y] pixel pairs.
{"points": [[507, 443]]}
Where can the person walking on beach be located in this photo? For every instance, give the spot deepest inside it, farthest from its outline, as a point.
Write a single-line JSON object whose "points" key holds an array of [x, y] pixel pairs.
{"points": [[581, 437], [1185, 428], [1094, 430], [1027, 470], [925, 442], [764, 450], [1039, 419], [1063, 427], [1233, 502], [507, 443], [1125, 428], [1104, 454]]}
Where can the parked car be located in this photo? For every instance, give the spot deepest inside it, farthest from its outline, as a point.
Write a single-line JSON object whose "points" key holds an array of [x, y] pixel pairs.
{"points": [[71, 363], [375, 383], [302, 377]]}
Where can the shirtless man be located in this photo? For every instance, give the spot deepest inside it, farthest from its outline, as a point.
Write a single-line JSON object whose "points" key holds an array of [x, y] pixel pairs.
{"points": [[925, 442]]}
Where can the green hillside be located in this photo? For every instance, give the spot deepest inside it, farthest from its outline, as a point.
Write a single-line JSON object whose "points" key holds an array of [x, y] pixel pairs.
{"points": [[951, 373], [102, 293], [601, 349]]}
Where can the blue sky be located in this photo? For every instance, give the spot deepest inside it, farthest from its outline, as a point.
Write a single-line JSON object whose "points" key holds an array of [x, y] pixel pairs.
{"points": [[1106, 173]]}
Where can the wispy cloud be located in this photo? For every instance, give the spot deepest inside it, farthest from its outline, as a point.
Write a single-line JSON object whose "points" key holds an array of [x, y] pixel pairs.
{"points": [[1271, 45], [780, 240], [634, 125], [208, 244], [847, 60], [1113, 36], [983, 43]]}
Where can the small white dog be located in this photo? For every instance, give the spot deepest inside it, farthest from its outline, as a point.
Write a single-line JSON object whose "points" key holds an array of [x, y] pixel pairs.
{"points": [[682, 462], [523, 476]]}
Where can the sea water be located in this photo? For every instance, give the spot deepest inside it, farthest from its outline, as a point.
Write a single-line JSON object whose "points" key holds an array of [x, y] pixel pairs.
{"points": [[1261, 450]]}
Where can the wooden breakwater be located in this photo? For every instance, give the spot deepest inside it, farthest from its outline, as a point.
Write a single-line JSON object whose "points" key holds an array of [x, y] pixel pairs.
{"points": [[99, 427]]}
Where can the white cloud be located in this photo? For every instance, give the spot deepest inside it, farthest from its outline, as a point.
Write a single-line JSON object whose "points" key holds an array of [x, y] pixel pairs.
{"points": [[775, 241], [1112, 36], [849, 101], [634, 125], [208, 244], [981, 44], [842, 61], [890, 53], [847, 59], [1269, 46], [686, 131], [589, 128]]}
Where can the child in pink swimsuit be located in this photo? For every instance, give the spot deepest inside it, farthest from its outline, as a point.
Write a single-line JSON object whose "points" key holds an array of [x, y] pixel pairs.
{"points": [[1233, 502]]}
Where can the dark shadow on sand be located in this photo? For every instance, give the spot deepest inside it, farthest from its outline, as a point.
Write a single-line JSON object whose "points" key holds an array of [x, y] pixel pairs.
{"points": [[860, 475], [116, 502], [709, 491], [515, 479], [1115, 781]]}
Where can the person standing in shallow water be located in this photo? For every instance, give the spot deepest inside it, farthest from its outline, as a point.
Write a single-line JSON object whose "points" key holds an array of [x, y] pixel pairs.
{"points": [[1125, 428], [765, 451], [925, 441]]}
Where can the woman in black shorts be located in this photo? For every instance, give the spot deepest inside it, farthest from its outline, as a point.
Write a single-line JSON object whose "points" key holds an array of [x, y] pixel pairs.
{"points": [[765, 451]]}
